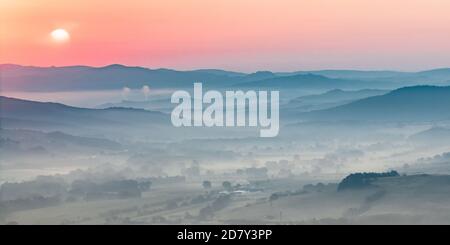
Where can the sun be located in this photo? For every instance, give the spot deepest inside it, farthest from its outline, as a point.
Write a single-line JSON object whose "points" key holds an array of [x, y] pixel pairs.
{"points": [[60, 35]]}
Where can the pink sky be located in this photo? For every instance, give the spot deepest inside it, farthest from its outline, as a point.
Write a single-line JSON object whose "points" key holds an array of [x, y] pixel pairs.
{"points": [[243, 35]]}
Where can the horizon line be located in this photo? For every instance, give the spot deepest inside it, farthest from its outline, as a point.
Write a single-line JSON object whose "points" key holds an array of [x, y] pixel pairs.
{"points": [[226, 70]]}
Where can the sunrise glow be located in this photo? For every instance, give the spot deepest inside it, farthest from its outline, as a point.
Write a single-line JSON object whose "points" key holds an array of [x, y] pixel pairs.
{"points": [[230, 34]]}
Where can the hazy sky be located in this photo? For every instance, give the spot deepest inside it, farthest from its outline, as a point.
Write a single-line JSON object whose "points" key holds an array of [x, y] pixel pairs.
{"points": [[245, 35]]}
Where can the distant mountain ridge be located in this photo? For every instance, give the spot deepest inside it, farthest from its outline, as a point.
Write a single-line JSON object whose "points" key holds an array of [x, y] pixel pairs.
{"points": [[116, 76], [29, 78], [349, 74], [382, 75]]}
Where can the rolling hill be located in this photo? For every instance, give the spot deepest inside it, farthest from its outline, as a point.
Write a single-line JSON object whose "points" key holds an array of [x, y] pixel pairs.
{"points": [[18, 113], [337, 95], [432, 135], [311, 82], [332, 98], [418, 103], [52, 141]]}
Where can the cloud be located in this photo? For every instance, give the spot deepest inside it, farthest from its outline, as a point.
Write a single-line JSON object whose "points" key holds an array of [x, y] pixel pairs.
{"points": [[125, 92], [146, 91]]}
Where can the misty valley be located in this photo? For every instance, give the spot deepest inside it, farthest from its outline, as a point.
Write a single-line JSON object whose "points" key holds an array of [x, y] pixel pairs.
{"points": [[86, 145]]}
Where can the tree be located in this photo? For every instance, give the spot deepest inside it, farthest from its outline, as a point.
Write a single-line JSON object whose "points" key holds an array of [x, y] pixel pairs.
{"points": [[361, 180], [207, 184], [227, 185], [273, 197]]}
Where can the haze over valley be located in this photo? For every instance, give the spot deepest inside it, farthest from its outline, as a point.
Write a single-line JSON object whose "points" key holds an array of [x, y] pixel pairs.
{"points": [[95, 145]]}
